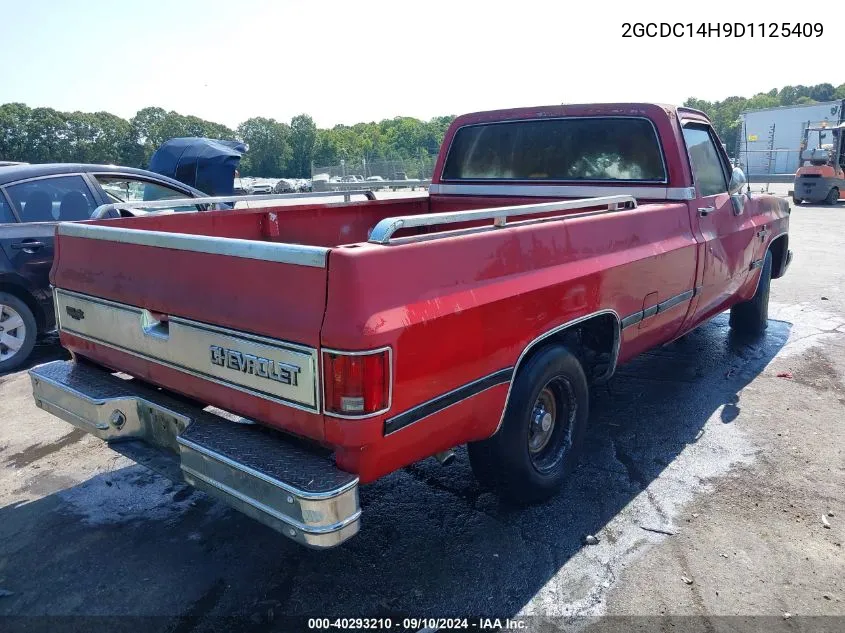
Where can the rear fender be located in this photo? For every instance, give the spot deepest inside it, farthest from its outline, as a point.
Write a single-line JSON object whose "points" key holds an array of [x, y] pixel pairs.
{"points": [[604, 324]]}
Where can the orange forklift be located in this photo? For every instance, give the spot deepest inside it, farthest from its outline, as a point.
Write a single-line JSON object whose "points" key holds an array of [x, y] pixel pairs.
{"points": [[821, 172]]}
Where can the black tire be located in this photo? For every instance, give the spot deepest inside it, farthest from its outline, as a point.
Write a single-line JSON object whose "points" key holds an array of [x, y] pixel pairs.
{"points": [[797, 201], [515, 462], [15, 358], [752, 316], [832, 196]]}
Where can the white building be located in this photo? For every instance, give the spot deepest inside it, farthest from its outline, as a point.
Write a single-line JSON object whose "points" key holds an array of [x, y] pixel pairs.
{"points": [[773, 135]]}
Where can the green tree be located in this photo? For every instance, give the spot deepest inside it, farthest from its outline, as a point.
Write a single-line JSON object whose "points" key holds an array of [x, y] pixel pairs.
{"points": [[150, 127], [326, 149], [276, 149], [14, 144], [97, 137], [268, 144], [788, 95], [47, 136], [303, 139], [146, 126], [822, 92]]}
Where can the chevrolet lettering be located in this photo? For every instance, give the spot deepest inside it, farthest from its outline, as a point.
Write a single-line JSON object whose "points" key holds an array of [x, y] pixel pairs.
{"points": [[255, 365]]}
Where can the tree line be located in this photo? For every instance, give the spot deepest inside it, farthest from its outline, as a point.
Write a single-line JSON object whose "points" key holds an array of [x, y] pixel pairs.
{"points": [[725, 113], [276, 148]]}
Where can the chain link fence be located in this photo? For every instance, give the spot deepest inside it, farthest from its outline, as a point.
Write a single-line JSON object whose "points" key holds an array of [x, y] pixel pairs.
{"points": [[400, 169]]}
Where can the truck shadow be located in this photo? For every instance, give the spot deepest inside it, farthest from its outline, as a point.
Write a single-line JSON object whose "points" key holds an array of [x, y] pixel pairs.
{"points": [[432, 541]]}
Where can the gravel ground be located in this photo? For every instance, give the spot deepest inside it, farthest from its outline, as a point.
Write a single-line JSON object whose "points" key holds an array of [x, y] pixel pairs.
{"points": [[705, 480]]}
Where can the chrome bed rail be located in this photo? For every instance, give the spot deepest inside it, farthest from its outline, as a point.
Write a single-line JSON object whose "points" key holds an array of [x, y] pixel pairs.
{"points": [[101, 211], [384, 230]]}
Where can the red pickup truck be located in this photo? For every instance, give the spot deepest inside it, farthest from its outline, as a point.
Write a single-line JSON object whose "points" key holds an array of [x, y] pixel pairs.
{"points": [[357, 338]]}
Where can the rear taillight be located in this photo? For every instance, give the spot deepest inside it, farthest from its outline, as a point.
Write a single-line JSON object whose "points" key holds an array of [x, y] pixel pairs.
{"points": [[356, 384]]}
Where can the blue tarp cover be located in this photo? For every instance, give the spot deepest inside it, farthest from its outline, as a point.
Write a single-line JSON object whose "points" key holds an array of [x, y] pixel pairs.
{"points": [[206, 164]]}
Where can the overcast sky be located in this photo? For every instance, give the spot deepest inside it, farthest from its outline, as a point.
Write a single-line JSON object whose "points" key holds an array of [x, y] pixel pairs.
{"points": [[345, 62]]}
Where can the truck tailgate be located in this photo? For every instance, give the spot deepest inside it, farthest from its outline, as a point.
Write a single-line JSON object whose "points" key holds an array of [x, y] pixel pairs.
{"points": [[231, 322]]}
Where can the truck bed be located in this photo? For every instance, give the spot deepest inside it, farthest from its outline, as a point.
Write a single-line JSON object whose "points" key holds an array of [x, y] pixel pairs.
{"points": [[165, 298], [324, 225]]}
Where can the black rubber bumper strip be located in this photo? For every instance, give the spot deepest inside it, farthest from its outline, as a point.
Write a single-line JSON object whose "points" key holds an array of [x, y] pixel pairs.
{"points": [[674, 301], [446, 400], [658, 308]]}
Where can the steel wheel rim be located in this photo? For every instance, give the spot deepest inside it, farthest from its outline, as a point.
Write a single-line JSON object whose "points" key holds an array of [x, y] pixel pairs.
{"points": [[543, 418], [551, 424], [12, 332]]}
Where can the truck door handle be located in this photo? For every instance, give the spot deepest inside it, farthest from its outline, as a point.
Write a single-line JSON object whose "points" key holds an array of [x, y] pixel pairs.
{"points": [[705, 211], [27, 245]]}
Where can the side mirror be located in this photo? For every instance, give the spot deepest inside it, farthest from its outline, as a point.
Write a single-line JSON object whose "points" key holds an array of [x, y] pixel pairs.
{"points": [[738, 181]]}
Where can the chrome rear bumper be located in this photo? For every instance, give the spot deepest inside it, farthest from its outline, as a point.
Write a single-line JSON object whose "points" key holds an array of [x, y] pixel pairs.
{"points": [[294, 489]]}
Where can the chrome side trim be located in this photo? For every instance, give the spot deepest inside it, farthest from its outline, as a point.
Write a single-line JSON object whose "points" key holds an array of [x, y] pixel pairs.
{"points": [[617, 341], [658, 192], [384, 230], [299, 254], [368, 352], [446, 400], [103, 209]]}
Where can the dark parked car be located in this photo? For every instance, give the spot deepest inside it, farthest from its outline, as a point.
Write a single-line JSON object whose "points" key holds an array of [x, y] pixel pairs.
{"points": [[33, 198]]}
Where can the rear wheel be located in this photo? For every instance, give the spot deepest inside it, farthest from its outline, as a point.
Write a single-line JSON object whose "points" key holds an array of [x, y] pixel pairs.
{"points": [[17, 332], [796, 199], [832, 196], [540, 439], [752, 316]]}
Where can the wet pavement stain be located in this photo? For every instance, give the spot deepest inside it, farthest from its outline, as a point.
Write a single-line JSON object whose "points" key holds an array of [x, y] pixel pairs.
{"points": [[39, 451]]}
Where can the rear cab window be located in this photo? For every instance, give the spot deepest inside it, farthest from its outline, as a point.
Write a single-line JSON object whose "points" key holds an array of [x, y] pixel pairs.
{"points": [[615, 149], [52, 199]]}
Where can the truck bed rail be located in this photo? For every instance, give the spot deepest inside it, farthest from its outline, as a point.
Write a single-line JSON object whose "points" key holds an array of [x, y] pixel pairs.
{"points": [[384, 230], [101, 211]]}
